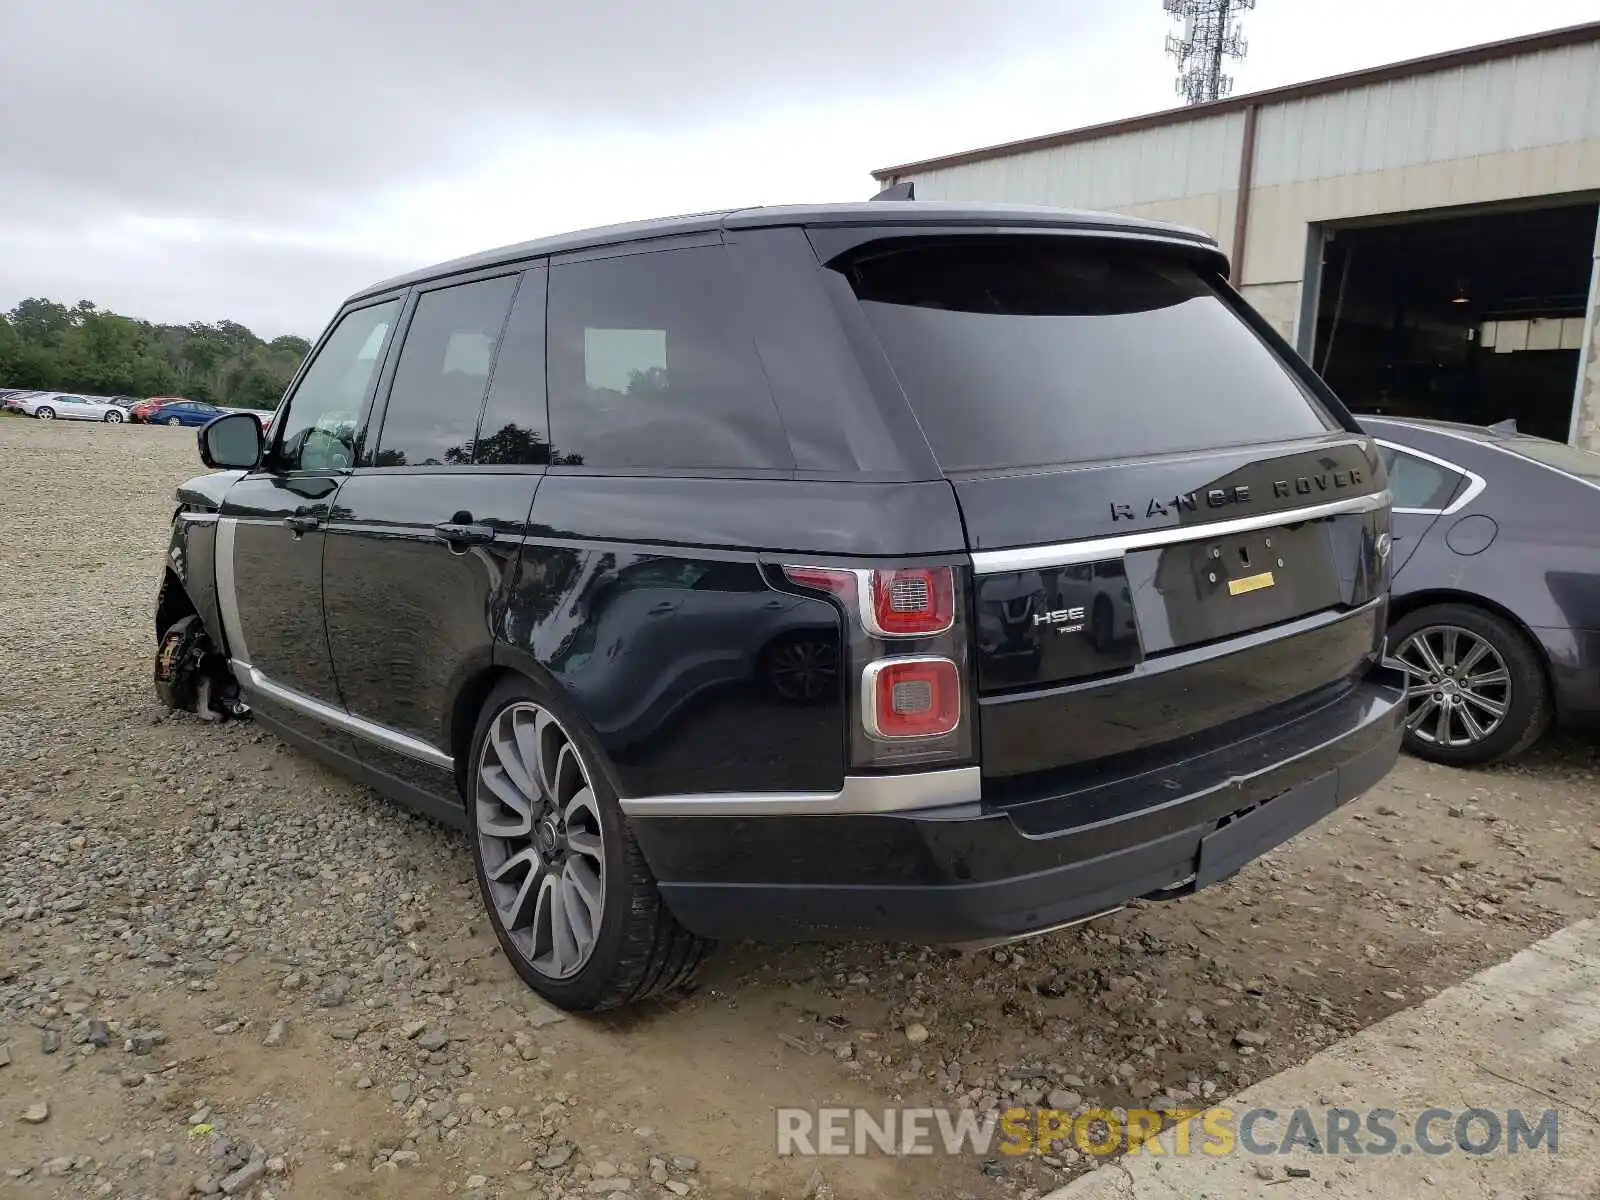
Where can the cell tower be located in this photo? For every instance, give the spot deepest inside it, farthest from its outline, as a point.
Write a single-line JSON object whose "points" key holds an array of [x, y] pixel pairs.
{"points": [[1210, 34]]}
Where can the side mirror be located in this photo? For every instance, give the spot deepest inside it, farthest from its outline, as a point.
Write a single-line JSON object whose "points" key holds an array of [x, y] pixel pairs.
{"points": [[232, 442]]}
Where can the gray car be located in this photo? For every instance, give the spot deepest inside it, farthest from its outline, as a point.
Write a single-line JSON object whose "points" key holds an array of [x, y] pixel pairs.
{"points": [[1495, 616], [71, 406]]}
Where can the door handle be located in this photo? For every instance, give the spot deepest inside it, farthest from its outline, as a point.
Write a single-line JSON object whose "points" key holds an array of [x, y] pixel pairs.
{"points": [[463, 534], [303, 522]]}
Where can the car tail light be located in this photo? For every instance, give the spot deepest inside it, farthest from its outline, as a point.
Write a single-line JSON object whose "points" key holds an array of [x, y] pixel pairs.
{"points": [[906, 646], [911, 697], [916, 602]]}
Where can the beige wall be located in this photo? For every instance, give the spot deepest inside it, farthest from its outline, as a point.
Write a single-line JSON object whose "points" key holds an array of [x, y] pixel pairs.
{"points": [[1586, 413], [1275, 241], [1279, 303]]}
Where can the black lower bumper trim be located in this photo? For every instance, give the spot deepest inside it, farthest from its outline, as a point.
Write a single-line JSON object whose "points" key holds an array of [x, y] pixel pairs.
{"points": [[927, 877]]}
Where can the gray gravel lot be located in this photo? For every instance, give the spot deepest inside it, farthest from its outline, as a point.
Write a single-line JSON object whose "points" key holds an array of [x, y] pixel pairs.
{"points": [[224, 970]]}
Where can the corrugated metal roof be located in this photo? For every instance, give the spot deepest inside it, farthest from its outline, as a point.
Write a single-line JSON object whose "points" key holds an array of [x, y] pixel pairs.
{"points": [[1451, 60]]}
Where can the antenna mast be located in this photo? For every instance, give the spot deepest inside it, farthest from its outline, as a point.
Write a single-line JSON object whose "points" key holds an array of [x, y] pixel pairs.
{"points": [[1210, 34]]}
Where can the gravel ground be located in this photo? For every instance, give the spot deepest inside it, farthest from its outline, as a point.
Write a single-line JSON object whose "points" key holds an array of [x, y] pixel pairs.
{"points": [[224, 970]]}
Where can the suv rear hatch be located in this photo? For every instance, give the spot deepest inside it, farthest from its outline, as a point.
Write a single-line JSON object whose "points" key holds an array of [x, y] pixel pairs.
{"points": [[1175, 540]]}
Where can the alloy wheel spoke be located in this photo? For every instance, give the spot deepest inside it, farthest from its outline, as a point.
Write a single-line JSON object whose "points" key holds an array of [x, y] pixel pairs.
{"points": [[1415, 720], [1494, 708], [1425, 653], [1447, 654], [508, 750], [581, 889], [531, 747], [1441, 731], [1473, 656], [1496, 677], [1475, 730], [497, 782]]}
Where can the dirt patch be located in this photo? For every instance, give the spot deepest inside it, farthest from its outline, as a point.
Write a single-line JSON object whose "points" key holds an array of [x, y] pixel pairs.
{"points": [[222, 967]]}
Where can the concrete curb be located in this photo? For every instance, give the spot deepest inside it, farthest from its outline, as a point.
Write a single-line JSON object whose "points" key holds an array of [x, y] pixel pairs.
{"points": [[1524, 1034]]}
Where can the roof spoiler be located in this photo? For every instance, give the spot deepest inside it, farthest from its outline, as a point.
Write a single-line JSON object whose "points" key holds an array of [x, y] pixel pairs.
{"points": [[898, 191]]}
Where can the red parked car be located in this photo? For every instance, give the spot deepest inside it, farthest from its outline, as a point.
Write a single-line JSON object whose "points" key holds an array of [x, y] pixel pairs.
{"points": [[142, 410]]}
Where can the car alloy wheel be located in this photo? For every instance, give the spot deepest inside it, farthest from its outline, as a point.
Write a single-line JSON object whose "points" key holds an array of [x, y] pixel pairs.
{"points": [[1458, 688], [174, 421], [45, 414], [541, 840], [113, 418]]}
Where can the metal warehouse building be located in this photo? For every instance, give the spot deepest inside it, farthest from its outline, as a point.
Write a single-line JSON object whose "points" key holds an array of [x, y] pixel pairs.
{"points": [[1425, 233]]}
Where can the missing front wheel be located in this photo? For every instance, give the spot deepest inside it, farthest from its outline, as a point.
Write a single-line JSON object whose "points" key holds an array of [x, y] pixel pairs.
{"points": [[190, 676]]}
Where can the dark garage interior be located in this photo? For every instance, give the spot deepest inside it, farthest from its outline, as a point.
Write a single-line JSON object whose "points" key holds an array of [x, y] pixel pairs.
{"points": [[1471, 318]]}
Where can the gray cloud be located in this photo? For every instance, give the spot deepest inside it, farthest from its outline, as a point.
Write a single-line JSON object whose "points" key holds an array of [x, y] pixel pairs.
{"points": [[280, 109], [278, 123]]}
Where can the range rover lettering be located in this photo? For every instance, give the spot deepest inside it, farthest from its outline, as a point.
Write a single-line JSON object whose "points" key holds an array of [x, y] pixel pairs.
{"points": [[891, 570]]}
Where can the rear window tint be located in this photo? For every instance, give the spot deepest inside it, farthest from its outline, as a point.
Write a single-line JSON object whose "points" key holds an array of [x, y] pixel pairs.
{"points": [[1016, 353], [1582, 464], [653, 367]]}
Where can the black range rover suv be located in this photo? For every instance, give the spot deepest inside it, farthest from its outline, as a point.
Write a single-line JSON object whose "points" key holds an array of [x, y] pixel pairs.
{"points": [[891, 569]]}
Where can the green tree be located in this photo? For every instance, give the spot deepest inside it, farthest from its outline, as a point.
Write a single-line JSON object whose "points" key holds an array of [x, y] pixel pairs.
{"points": [[52, 346]]}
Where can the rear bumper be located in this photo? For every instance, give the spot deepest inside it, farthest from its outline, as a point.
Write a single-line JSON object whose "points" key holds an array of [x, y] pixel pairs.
{"points": [[977, 871]]}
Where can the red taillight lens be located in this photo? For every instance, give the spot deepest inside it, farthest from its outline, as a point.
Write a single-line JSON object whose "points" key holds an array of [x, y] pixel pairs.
{"points": [[911, 697], [913, 602]]}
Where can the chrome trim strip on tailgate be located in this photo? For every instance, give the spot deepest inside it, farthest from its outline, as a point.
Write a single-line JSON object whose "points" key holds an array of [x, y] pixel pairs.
{"points": [[1060, 554]]}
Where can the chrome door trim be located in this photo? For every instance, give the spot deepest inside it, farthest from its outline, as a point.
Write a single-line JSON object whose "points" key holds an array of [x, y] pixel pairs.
{"points": [[1475, 482], [861, 794], [1027, 558], [380, 735], [228, 589]]}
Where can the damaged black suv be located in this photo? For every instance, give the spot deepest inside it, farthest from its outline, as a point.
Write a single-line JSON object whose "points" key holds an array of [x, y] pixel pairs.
{"points": [[900, 570]]}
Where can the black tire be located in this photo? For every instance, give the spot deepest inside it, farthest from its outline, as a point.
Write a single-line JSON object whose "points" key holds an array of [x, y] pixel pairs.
{"points": [[640, 949], [1528, 704], [45, 413]]}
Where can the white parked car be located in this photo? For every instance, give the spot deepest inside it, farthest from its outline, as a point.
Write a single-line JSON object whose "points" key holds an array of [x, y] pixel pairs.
{"points": [[70, 406]]}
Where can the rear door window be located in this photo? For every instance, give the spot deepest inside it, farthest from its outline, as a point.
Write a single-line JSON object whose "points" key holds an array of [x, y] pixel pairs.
{"points": [[439, 383], [1417, 484], [651, 367], [1018, 353]]}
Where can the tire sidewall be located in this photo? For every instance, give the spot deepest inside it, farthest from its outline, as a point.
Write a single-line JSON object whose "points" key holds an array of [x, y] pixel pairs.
{"points": [[591, 986], [1528, 710]]}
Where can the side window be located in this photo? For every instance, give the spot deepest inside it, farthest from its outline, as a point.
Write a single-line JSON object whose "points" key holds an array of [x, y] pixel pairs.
{"points": [[651, 366], [514, 429], [319, 421], [1417, 483], [432, 415]]}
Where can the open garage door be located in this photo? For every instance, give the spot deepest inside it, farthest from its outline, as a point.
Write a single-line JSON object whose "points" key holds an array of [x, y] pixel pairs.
{"points": [[1470, 318]]}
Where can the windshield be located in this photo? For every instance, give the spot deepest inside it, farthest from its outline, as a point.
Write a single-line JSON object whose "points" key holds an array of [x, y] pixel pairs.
{"points": [[1016, 353]]}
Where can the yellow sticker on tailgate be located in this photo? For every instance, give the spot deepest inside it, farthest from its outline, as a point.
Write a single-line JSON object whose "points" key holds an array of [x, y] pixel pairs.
{"points": [[1250, 583]]}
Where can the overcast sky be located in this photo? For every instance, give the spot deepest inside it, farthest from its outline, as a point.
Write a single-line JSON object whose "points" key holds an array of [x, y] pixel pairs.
{"points": [[198, 159]]}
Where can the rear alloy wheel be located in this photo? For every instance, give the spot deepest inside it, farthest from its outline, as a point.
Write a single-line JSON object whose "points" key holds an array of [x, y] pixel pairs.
{"points": [[45, 413], [113, 417], [572, 902], [1475, 691], [174, 421]]}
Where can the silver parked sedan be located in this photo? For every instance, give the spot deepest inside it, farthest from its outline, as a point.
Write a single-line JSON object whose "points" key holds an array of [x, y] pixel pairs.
{"points": [[69, 406]]}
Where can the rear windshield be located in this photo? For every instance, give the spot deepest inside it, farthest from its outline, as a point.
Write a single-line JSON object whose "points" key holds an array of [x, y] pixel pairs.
{"points": [[1570, 460], [1017, 353]]}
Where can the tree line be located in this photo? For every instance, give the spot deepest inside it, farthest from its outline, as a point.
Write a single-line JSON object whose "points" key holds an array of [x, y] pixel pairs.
{"points": [[84, 348]]}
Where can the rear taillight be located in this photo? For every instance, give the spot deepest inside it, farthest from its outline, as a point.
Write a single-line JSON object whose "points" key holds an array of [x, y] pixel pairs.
{"points": [[911, 697], [914, 602], [907, 644]]}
